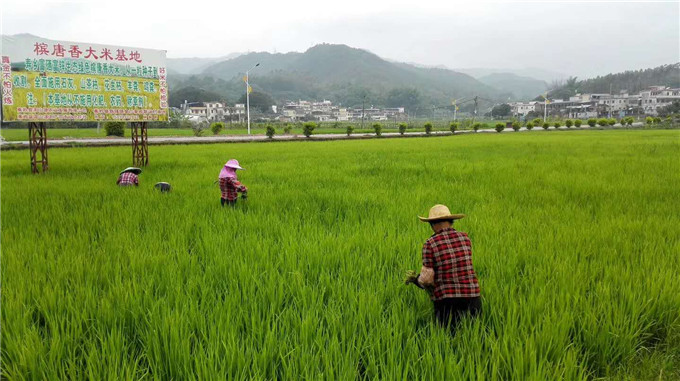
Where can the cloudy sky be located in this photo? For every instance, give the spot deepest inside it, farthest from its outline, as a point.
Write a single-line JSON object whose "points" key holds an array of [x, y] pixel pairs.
{"points": [[576, 38]]}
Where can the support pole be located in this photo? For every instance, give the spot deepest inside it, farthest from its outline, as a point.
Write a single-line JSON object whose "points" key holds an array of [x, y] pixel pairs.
{"points": [[140, 146], [37, 143]]}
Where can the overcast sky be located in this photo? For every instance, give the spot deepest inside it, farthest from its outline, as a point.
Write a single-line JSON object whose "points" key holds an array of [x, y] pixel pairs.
{"points": [[577, 38]]}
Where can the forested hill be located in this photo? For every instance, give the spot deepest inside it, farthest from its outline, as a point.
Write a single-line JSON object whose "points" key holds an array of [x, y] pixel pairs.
{"points": [[631, 80], [339, 73]]}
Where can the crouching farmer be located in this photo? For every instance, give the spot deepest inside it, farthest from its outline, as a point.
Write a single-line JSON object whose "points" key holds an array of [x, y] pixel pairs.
{"points": [[129, 177], [229, 184], [447, 273]]}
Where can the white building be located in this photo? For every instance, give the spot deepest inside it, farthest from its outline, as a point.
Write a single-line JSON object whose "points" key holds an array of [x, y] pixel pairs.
{"points": [[521, 109]]}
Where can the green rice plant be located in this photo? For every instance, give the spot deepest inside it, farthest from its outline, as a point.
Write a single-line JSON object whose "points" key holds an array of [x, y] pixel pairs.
{"points": [[304, 279]]}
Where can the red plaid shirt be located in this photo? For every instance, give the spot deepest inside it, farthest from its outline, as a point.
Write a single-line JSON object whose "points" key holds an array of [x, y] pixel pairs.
{"points": [[230, 188], [449, 254], [128, 178]]}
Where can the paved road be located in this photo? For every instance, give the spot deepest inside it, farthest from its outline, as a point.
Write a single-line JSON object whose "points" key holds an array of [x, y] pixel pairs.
{"points": [[159, 140]]}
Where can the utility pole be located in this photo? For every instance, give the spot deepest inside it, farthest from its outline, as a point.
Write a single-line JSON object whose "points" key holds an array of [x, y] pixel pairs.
{"points": [[363, 110], [475, 114], [248, 94]]}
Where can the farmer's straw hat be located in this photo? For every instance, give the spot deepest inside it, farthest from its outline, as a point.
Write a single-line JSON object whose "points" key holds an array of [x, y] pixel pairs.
{"points": [[440, 212], [134, 170], [233, 163]]}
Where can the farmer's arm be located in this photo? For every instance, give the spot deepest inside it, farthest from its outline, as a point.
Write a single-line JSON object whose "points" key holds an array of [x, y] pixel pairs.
{"points": [[240, 187], [426, 278]]}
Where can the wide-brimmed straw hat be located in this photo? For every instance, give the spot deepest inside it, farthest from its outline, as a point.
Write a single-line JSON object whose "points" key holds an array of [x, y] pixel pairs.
{"points": [[233, 163], [134, 170], [440, 212]]}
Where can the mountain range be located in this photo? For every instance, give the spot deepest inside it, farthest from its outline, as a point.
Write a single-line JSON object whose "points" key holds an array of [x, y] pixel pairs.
{"points": [[348, 76], [339, 73]]}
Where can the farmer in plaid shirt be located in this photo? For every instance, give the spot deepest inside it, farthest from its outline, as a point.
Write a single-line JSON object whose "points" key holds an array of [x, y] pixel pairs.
{"points": [[129, 177], [229, 184], [447, 273]]}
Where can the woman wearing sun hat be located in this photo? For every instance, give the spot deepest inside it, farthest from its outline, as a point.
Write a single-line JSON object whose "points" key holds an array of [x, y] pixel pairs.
{"points": [[129, 177], [229, 184], [447, 271]]}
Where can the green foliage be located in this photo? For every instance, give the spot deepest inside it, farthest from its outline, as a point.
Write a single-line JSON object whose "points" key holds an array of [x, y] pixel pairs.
{"points": [[260, 101], [216, 127], [657, 120], [501, 110], [673, 108], [114, 128], [349, 130], [592, 122], [631, 80], [199, 128], [302, 281], [538, 121], [603, 122], [516, 125], [630, 120], [377, 127], [406, 97], [649, 120], [476, 126], [578, 122], [568, 123], [428, 128], [453, 126], [270, 131], [612, 121], [530, 125], [500, 127], [557, 124], [287, 128], [308, 128], [402, 128], [546, 124]]}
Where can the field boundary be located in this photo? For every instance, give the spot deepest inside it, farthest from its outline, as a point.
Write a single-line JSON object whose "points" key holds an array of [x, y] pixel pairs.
{"points": [[111, 142]]}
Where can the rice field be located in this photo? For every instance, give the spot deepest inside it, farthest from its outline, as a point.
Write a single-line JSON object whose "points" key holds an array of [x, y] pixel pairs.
{"points": [[575, 242]]}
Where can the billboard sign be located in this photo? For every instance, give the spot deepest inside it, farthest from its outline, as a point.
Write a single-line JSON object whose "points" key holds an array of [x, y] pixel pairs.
{"points": [[47, 80]]}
